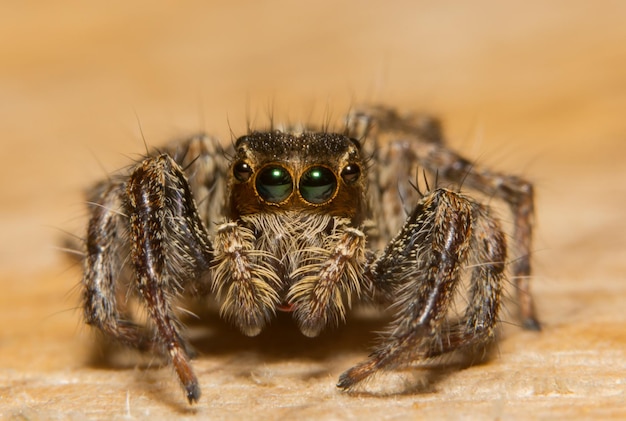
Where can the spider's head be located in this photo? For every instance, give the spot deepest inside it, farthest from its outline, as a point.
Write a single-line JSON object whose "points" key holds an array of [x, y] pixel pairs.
{"points": [[311, 172]]}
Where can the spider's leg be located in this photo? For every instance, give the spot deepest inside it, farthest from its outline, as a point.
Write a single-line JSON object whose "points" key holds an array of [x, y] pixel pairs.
{"points": [[519, 195], [104, 267], [419, 272], [169, 249], [410, 143], [205, 165]]}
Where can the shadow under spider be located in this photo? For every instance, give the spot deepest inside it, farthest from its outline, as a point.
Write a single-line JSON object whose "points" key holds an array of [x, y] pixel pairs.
{"points": [[210, 335], [282, 339]]}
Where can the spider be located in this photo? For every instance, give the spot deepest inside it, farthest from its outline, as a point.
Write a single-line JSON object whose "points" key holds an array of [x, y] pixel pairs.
{"points": [[307, 222]]}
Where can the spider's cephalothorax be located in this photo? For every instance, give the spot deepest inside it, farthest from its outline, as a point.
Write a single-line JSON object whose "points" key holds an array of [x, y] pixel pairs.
{"points": [[307, 223], [320, 173]]}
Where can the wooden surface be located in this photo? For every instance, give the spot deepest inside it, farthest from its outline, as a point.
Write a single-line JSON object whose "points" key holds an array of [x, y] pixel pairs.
{"points": [[536, 89]]}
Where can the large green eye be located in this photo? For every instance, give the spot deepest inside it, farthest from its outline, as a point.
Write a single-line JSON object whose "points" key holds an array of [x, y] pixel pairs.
{"points": [[274, 184], [317, 185]]}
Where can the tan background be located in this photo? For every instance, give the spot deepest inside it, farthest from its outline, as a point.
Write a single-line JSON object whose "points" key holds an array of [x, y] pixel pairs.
{"points": [[537, 89]]}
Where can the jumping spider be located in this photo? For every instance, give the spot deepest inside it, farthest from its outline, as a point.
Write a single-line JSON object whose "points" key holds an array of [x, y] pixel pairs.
{"points": [[307, 222]]}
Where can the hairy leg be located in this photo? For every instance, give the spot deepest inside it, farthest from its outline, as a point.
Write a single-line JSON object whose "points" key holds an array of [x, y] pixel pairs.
{"points": [[152, 216], [404, 145], [104, 266], [419, 272]]}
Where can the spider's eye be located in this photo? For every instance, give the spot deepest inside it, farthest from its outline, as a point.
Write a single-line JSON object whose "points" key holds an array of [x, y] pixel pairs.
{"points": [[317, 185], [351, 173], [274, 184], [242, 171]]}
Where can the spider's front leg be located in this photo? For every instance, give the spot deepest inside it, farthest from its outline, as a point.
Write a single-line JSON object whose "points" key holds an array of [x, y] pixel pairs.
{"points": [[419, 272], [409, 143], [154, 211]]}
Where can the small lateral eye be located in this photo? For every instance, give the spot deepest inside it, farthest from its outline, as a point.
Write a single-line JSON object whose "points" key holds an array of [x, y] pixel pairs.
{"points": [[318, 185], [350, 173], [274, 184], [242, 171]]}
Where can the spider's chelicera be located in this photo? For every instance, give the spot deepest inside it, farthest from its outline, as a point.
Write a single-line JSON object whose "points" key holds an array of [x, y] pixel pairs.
{"points": [[308, 223]]}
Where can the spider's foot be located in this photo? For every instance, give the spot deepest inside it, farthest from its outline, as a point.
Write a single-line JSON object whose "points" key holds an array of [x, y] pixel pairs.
{"points": [[193, 392], [185, 373], [356, 374]]}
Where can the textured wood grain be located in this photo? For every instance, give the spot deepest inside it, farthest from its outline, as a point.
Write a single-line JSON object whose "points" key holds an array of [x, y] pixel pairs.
{"points": [[534, 89]]}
